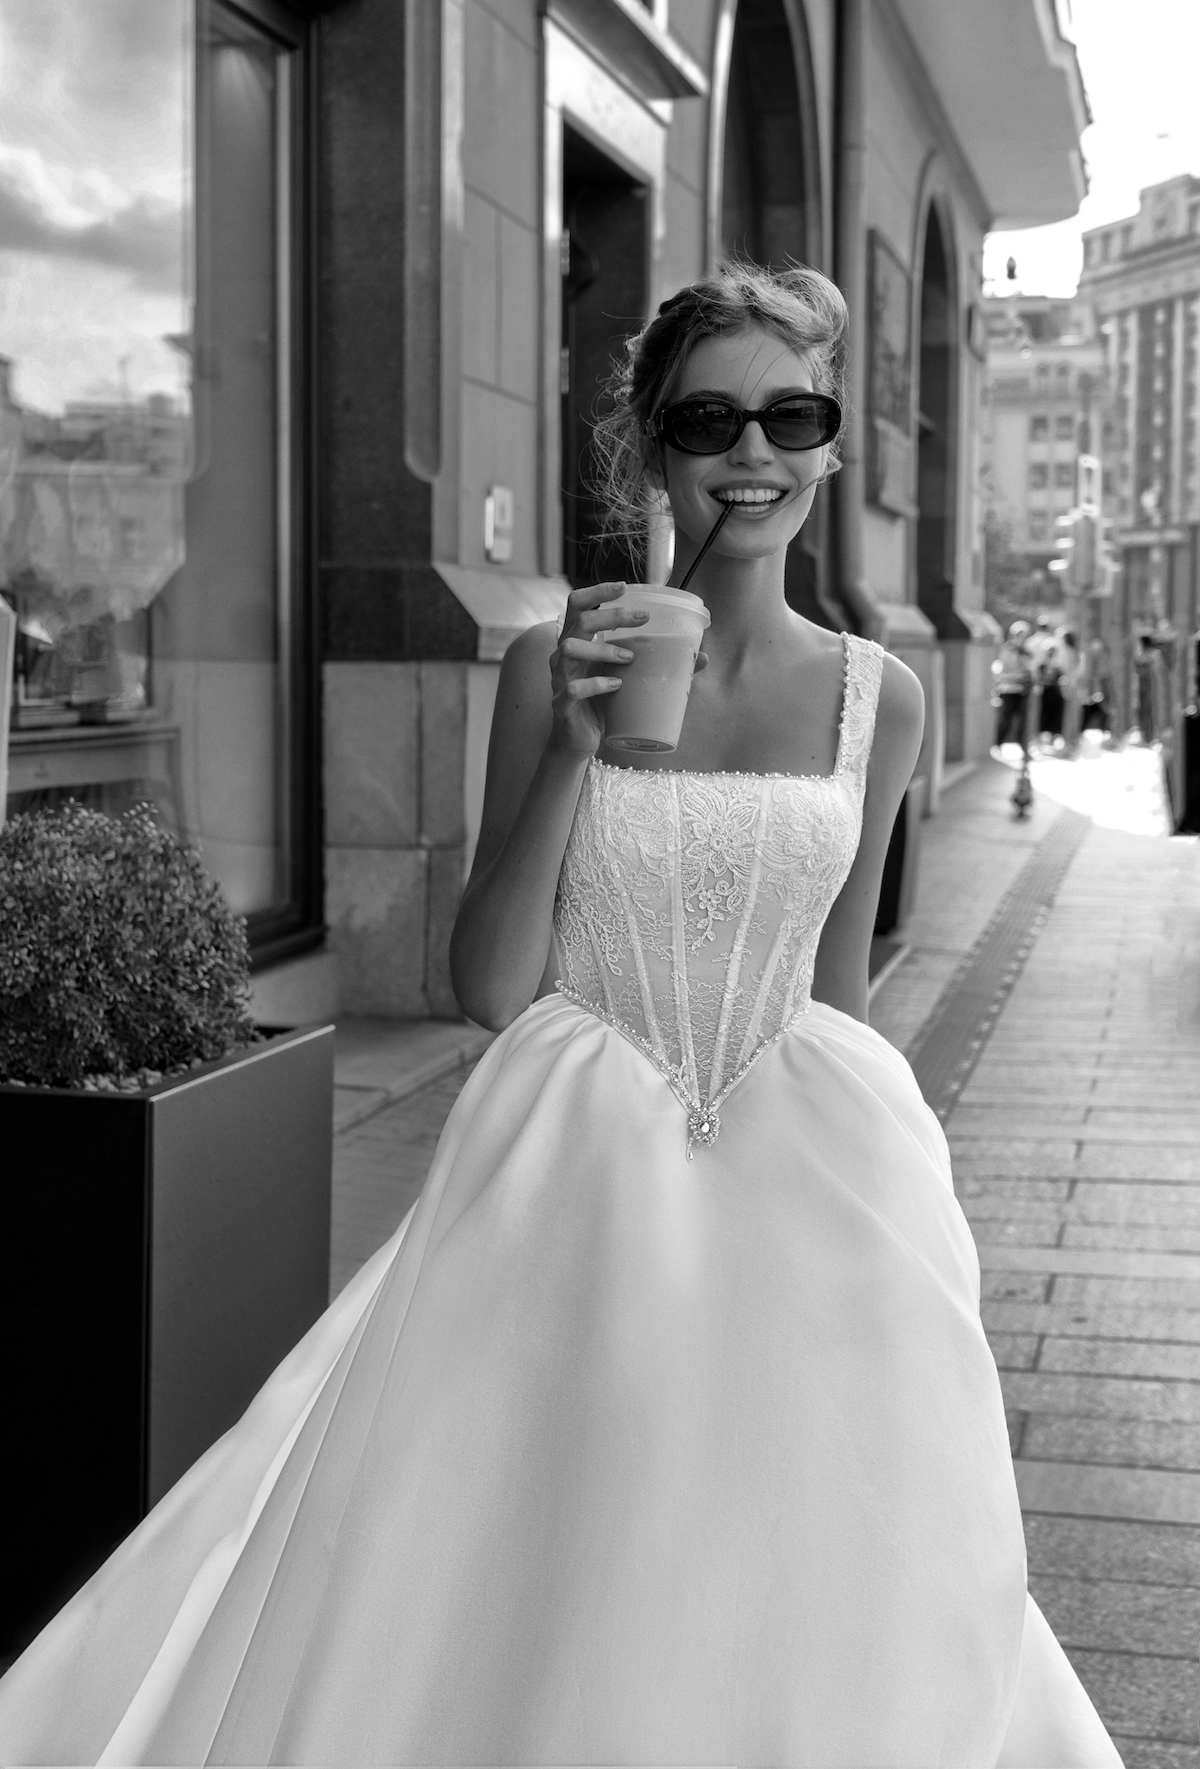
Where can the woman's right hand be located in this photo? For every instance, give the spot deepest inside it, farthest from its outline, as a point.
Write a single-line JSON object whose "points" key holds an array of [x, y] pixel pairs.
{"points": [[577, 668]]}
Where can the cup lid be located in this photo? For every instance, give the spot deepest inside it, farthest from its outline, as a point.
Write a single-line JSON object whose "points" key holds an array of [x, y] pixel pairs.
{"points": [[663, 598]]}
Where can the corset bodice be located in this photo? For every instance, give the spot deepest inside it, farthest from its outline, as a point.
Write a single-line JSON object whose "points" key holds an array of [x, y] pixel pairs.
{"points": [[690, 905]]}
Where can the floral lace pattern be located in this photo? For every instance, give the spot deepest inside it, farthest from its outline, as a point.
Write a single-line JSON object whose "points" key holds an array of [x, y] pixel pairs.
{"points": [[690, 905]]}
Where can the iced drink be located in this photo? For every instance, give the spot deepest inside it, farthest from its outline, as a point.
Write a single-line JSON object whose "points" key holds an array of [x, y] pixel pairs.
{"points": [[646, 711]]}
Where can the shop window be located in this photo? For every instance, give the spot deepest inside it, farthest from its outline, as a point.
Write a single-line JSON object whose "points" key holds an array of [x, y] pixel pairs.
{"points": [[1064, 427], [1039, 428], [1038, 476], [1064, 474], [150, 406]]}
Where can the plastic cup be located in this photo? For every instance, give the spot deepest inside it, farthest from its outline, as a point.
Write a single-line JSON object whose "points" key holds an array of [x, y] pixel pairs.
{"points": [[646, 712]]}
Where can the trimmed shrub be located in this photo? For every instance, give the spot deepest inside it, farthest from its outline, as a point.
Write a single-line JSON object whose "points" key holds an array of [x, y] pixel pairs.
{"points": [[119, 958]]}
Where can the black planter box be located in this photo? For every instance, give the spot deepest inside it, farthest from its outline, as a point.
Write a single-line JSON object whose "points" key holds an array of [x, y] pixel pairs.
{"points": [[160, 1252]]}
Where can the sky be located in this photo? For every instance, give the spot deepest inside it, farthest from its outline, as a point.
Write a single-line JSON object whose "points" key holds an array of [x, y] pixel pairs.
{"points": [[1140, 61], [94, 179]]}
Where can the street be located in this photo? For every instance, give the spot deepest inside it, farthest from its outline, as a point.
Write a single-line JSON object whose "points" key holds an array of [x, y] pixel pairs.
{"points": [[1049, 1001]]}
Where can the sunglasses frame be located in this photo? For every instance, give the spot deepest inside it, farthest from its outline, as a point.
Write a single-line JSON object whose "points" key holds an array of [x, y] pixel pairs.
{"points": [[658, 424]]}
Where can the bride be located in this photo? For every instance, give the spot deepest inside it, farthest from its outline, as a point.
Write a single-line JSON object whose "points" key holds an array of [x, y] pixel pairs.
{"points": [[664, 1431]]}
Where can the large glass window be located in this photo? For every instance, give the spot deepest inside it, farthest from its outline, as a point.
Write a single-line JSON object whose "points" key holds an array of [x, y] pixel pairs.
{"points": [[150, 407]]}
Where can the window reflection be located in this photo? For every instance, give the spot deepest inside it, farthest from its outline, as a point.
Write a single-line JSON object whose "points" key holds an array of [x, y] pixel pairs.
{"points": [[145, 418]]}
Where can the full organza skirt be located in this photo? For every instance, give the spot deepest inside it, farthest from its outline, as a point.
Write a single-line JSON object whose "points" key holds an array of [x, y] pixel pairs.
{"points": [[608, 1457]]}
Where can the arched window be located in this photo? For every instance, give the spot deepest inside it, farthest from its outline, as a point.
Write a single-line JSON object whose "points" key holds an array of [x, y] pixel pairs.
{"points": [[768, 207], [936, 446]]}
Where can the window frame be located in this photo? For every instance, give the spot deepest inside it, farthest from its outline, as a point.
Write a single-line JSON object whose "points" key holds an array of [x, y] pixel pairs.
{"points": [[296, 924]]}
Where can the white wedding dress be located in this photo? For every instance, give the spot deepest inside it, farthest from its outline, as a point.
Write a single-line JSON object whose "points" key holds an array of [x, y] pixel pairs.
{"points": [[663, 1432]]}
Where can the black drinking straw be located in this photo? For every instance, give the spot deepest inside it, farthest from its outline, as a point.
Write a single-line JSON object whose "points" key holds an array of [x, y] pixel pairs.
{"points": [[713, 532]]}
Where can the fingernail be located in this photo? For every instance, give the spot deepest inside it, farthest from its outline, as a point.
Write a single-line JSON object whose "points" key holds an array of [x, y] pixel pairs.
{"points": [[625, 656]]}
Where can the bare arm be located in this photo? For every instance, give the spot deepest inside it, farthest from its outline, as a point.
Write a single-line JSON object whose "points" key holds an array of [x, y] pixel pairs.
{"points": [[840, 973], [545, 729]]}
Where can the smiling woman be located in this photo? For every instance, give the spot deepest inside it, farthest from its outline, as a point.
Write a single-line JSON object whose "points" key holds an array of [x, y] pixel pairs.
{"points": [[150, 302]]}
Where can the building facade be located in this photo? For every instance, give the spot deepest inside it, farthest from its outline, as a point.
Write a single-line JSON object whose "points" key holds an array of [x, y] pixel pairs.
{"points": [[1141, 282], [375, 292], [1043, 404]]}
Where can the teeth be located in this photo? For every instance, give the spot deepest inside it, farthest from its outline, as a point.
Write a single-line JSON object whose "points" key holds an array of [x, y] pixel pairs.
{"points": [[748, 497]]}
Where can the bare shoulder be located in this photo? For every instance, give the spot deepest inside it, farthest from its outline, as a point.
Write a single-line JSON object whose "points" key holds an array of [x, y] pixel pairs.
{"points": [[899, 723], [901, 697], [530, 651], [901, 712]]}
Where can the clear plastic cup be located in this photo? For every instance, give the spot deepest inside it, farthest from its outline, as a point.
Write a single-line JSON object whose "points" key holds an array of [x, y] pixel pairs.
{"points": [[646, 711]]}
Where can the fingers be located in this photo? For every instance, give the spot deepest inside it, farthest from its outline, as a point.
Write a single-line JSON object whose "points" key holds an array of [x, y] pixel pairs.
{"points": [[701, 662], [586, 687], [598, 620], [592, 595], [592, 651]]}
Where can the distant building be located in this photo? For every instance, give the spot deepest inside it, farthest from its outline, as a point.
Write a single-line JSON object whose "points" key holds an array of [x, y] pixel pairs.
{"points": [[1042, 409], [1141, 280]]}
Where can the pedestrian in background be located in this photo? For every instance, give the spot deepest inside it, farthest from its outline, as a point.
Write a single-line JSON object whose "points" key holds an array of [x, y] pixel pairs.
{"points": [[1046, 653], [1013, 670], [1095, 687]]}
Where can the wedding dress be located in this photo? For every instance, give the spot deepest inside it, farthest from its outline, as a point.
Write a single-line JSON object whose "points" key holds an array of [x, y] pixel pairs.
{"points": [[664, 1431]]}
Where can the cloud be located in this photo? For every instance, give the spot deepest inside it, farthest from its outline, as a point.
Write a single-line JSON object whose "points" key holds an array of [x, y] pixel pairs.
{"points": [[58, 213]]}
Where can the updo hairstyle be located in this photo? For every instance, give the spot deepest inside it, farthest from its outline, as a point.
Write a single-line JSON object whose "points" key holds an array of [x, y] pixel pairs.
{"points": [[798, 306]]}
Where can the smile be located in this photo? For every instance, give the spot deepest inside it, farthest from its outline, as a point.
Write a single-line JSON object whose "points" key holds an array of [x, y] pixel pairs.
{"points": [[760, 495]]}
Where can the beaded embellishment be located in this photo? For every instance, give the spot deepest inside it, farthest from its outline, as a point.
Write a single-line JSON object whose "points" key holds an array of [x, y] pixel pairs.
{"points": [[690, 905]]}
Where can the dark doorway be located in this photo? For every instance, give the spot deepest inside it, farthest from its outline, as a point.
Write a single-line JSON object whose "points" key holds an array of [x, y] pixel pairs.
{"points": [[763, 205], [935, 447], [603, 300], [766, 215]]}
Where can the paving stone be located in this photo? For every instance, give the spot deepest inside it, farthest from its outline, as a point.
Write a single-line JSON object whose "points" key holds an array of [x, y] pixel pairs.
{"points": [[1015, 1286], [1071, 1289], [1104, 1548], [1094, 1262], [1101, 1397], [1104, 1123], [1014, 1351], [1150, 1696], [1110, 1615], [1040, 1160], [990, 1232], [1031, 1193], [1100, 1320], [1119, 1443], [1129, 1160], [1053, 1118], [1132, 1236], [1100, 1490], [1121, 1357], [1094, 1201], [1141, 1753]]}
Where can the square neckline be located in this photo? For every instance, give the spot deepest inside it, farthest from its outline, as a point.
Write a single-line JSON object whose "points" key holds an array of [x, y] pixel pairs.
{"points": [[752, 773]]}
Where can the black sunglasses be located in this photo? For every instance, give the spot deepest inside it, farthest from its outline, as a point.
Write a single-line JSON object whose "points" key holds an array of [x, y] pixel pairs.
{"points": [[710, 426]]}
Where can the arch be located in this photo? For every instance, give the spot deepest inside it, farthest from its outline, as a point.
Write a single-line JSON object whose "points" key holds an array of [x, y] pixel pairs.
{"points": [[936, 337], [764, 173]]}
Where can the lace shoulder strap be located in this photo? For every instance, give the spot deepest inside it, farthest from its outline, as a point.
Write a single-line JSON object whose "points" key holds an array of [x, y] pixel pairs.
{"points": [[864, 671]]}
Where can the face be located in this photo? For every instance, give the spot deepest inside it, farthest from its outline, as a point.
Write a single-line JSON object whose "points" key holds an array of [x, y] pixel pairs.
{"points": [[771, 489]]}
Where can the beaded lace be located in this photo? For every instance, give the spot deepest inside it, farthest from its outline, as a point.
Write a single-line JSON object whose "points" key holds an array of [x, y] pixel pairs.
{"points": [[690, 905]]}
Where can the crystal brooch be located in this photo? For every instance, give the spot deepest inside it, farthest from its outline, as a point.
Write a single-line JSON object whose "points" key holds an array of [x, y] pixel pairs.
{"points": [[704, 1126]]}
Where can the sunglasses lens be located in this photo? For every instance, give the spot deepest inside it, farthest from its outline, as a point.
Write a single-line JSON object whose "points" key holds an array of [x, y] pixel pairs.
{"points": [[701, 427], [803, 423]]}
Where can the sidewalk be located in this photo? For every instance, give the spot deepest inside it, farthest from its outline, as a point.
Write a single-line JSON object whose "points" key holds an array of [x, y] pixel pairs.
{"points": [[1050, 1004], [1076, 1146]]}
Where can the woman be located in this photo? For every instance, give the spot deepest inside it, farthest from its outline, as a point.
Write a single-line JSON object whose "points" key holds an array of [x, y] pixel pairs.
{"points": [[665, 1430], [1013, 672]]}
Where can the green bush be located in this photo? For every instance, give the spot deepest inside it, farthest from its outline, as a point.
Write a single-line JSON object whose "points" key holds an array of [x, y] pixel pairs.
{"points": [[119, 958]]}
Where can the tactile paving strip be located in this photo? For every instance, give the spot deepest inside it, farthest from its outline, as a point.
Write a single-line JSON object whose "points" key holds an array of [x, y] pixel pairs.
{"points": [[953, 1040]]}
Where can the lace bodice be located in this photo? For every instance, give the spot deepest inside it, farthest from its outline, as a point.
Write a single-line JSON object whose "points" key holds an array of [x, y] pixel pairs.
{"points": [[690, 905]]}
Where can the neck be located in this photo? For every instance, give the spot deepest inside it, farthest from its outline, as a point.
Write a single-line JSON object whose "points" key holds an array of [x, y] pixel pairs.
{"points": [[743, 596]]}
